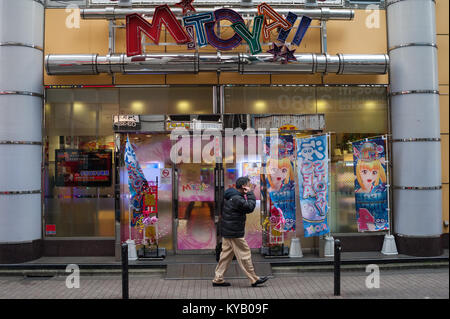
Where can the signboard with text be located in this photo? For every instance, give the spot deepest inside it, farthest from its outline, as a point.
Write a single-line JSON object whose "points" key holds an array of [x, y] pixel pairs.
{"points": [[77, 168]]}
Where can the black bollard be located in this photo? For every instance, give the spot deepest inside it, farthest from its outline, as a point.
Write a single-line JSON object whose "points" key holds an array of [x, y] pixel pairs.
{"points": [[124, 271], [337, 267]]}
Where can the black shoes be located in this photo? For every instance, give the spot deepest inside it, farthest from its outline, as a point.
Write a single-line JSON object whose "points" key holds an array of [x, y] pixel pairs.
{"points": [[260, 281], [221, 284]]}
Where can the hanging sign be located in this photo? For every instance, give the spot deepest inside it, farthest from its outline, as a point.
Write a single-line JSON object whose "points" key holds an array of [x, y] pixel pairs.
{"points": [[126, 123], [198, 29], [136, 178], [312, 167], [279, 158], [370, 184]]}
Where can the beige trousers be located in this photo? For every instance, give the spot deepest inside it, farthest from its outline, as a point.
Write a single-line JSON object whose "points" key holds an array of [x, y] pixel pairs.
{"points": [[238, 247]]}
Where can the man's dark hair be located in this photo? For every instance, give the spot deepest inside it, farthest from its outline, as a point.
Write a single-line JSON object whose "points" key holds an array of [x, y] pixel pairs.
{"points": [[241, 181]]}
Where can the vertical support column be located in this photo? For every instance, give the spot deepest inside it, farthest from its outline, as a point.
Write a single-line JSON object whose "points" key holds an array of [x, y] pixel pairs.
{"points": [[416, 150], [21, 105]]}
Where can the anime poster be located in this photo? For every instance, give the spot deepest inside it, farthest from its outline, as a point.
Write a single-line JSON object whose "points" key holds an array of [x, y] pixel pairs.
{"points": [[279, 157], [312, 167], [370, 184]]}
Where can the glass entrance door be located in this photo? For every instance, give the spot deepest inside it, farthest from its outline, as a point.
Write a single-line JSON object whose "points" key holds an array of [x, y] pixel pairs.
{"points": [[196, 199]]}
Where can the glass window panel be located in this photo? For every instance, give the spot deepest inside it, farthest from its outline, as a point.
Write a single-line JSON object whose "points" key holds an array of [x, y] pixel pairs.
{"points": [[78, 211], [79, 119], [166, 100], [246, 164], [351, 113], [267, 99], [153, 153], [353, 109]]}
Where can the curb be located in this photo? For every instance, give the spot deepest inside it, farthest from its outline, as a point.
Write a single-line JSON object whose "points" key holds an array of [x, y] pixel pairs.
{"points": [[159, 270], [282, 270]]}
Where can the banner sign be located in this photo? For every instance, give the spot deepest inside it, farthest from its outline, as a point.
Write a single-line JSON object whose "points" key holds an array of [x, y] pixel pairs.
{"points": [[312, 167], [370, 184], [280, 177], [197, 30], [136, 178]]}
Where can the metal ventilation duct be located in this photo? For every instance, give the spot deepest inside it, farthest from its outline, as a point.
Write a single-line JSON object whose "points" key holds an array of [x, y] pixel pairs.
{"points": [[166, 63], [315, 14]]}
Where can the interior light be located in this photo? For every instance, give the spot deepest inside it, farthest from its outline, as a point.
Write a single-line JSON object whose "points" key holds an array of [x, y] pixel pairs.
{"points": [[78, 107], [183, 106], [322, 103], [137, 106], [370, 105], [260, 105]]}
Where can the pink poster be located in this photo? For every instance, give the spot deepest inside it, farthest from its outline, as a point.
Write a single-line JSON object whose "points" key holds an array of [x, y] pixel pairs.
{"points": [[195, 187]]}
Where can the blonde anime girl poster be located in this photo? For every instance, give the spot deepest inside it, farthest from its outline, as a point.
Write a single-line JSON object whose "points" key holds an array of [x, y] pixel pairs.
{"points": [[370, 184], [280, 177]]}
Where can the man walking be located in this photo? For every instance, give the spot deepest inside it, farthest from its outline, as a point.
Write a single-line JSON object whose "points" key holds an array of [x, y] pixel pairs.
{"points": [[238, 202]]}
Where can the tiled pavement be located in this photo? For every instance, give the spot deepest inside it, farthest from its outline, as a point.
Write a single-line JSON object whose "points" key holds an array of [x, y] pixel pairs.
{"points": [[394, 284]]}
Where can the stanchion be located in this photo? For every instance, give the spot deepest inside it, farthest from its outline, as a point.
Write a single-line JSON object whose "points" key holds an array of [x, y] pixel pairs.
{"points": [[337, 267], [124, 271]]}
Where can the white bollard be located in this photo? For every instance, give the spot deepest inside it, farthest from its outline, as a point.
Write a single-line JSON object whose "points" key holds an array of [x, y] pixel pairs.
{"points": [[329, 246], [389, 246], [296, 249], [132, 255]]}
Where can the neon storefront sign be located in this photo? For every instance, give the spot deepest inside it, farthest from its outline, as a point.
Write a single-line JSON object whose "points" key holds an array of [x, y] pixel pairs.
{"points": [[198, 29]]}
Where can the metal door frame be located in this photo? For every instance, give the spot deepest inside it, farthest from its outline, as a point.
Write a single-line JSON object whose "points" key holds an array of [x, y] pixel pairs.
{"points": [[218, 196]]}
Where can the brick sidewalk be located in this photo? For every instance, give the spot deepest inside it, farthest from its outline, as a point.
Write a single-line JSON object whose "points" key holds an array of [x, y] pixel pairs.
{"points": [[394, 284]]}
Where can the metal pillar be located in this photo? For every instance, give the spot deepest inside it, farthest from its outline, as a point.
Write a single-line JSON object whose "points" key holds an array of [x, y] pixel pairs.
{"points": [[21, 105], [415, 126]]}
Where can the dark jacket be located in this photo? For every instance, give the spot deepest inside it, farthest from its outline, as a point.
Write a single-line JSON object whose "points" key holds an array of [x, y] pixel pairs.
{"points": [[235, 208]]}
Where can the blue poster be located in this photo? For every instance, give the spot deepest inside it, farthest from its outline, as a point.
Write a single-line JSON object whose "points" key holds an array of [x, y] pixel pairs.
{"points": [[312, 166], [370, 184], [280, 177]]}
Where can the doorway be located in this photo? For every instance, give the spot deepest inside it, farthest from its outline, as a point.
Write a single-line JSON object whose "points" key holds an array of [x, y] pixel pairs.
{"points": [[195, 229]]}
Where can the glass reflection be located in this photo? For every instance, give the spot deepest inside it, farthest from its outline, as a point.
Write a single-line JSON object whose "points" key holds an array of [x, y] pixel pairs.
{"points": [[153, 154]]}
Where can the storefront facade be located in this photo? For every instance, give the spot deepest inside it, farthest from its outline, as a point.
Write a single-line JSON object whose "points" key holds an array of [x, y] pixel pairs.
{"points": [[84, 88]]}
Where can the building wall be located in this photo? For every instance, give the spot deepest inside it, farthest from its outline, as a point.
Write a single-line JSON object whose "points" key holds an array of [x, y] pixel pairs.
{"points": [[343, 37], [442, 27], [92, 37]]}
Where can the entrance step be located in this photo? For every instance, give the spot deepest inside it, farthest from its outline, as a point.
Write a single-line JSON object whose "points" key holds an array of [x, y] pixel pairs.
{"points": [[206, 271]]}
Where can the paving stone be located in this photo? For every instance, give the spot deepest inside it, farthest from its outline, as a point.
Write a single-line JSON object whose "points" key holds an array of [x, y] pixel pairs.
{"points": [[394, 284]]}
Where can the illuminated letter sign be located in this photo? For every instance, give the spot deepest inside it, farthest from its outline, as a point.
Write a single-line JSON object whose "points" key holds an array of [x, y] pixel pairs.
{"points": [[251, 38], [163, 15], [278, 20], [198, 29], [214, 40], [197, 20]]}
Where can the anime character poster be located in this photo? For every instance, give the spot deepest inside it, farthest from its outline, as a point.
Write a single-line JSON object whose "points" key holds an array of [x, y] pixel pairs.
{"points": [[312, 167], [370, 184], [279, 157]]}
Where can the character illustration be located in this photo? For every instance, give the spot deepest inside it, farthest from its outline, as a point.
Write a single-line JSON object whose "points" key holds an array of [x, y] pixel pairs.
{"points": [[369, 169], [280, 174]]}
